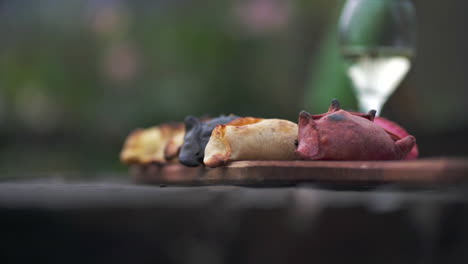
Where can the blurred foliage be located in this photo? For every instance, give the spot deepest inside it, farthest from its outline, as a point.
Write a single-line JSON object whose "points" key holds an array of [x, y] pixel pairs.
{"points": [[328, 78], [77, 76]]}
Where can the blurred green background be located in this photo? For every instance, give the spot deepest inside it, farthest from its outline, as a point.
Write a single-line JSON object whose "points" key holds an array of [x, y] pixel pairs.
{"points": [[77, 76]]}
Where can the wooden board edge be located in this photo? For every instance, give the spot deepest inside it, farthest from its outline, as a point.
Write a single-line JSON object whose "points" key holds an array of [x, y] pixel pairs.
{"points": [[257, 173]]}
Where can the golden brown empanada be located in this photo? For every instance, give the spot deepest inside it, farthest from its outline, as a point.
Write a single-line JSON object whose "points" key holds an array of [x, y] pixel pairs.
{"points": [[251, 138], [144, 146]]}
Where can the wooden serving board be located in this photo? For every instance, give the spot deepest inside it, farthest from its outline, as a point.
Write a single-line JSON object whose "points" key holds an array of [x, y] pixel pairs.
{"points": [[423, 172]]}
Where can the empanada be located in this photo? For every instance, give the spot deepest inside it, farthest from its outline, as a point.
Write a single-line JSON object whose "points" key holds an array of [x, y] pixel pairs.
{"points": [[342, 135], [144, 146], [251, 138]]}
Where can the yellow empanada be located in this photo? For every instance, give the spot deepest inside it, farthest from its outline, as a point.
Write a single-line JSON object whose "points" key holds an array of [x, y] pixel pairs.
{"points": [[150, 145]]}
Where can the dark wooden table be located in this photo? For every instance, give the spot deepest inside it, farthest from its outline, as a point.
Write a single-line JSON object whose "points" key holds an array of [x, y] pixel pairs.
{"points": [[104, 221]]}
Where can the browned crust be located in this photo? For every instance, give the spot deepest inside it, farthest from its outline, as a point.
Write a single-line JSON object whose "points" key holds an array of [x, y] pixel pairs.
{"points": [[242, 121], [172, 149]]}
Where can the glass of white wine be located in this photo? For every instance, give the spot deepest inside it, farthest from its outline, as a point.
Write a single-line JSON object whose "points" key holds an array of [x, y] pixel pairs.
{"points": [[377, 39]]}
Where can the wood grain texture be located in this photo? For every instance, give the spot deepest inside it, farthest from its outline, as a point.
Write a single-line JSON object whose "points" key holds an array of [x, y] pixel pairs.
{"points": [[423, 172]]}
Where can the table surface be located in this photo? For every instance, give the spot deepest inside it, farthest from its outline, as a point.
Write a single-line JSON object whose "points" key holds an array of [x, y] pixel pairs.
{"points": [[53, 193], [71, 218], [55, 220]]}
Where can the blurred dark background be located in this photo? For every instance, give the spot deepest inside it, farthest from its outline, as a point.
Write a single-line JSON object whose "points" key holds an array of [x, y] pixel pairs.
{"points": [[77, 76]]}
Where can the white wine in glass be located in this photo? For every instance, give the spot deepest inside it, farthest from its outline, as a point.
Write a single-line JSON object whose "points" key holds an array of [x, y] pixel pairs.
{"points": [[377, 41]]}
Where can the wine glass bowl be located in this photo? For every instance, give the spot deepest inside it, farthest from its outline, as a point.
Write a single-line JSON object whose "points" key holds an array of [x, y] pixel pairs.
{"points": [[377, 40]]}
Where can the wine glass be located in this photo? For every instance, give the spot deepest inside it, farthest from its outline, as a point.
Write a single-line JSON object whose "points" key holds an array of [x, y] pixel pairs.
{"points": [[377, 40]]}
